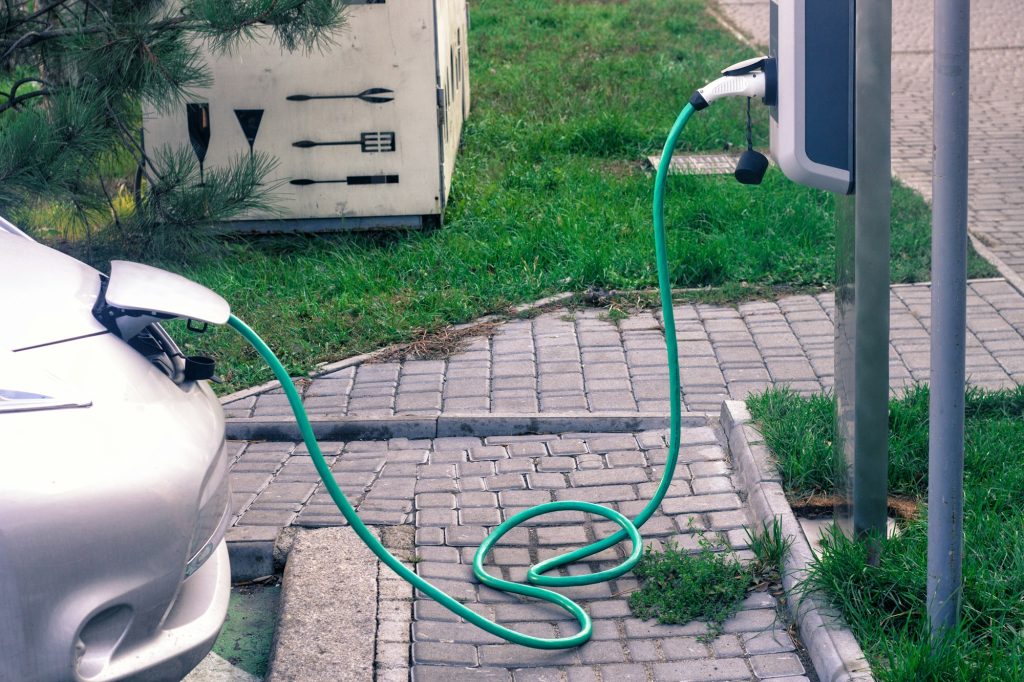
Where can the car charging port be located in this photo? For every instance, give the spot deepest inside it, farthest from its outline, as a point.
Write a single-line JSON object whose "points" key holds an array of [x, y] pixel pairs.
{"points": [[198, 367]]}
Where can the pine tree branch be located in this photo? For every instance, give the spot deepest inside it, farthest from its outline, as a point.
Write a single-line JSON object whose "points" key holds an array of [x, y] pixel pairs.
{"points": [[126, 134], [15, 101], [110, 200], [35, 15]]}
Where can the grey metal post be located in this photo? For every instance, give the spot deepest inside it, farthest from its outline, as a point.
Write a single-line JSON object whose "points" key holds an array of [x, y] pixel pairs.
{"points": [[863, 393], [949, 314]]}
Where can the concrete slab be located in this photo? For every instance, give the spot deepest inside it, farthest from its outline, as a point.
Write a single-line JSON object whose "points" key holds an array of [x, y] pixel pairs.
{"points": [[816, 529], [213, 668], [328, 616]]}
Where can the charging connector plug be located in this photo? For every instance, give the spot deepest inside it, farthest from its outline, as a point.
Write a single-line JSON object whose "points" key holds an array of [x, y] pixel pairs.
{"points": [[745, 79], [746, 85]]}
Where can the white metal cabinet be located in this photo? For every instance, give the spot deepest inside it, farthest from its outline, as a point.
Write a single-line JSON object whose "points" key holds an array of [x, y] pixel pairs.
{"points": [[365, 133]]}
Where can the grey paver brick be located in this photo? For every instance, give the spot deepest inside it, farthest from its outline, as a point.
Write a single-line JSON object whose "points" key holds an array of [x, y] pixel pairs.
{"points": [[464, 536], [487, 452], [480, 516], [484, 468], [562, 536], [701, 503], [532, 449], [429, 536], [767, 642], [449, 674], [436, 517], [725, 520], [629, 458], [267, 518], [602, 652], [563, 403], [605, 493], [446, 570], [776, 665], [751, 621], [444, 500], [712, 484], [505, 482], [677, 648], [726, 646], [642, 650], [286, 492], [511, 556], [514, 656], [636, 628], [624, 672], [514, 466], [612, 443], [560, 383], [433, 553], [567, 446], [608, 477], [556, 464], [433, 485], [589, 462], [702, 670], [545, 480], [523, 498], [538, 675], [477, 499]]}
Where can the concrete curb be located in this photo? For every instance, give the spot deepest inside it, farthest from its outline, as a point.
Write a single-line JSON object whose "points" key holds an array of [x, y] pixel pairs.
{"points": [[1015, 280], [326, 569], [835, 653], [329, 367], [448, 424], [251, 550]]}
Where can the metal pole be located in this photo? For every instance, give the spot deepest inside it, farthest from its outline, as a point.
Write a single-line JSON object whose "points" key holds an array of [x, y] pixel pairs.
{"points": [[872, 206], [949, 315]]}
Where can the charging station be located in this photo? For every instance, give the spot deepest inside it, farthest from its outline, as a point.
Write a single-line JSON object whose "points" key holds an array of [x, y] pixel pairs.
{"points": [[811, 63], [828, 91]]}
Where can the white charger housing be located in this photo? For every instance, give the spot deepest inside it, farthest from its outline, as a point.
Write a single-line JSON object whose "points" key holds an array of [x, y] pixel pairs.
{"points": [[811, 114]]}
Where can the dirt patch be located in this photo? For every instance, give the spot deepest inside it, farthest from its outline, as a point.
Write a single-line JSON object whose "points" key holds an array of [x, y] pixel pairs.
{"points": [[622, 169], [436, 345], [816, 506]]}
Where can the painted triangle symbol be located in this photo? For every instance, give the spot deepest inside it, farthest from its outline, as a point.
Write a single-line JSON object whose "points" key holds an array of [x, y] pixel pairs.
{"points": [[250, 120]]}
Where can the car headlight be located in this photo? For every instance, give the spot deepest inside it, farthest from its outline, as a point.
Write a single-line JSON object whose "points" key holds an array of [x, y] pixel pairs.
{"points": [[12, 400], [214, 514], [27, 388]]}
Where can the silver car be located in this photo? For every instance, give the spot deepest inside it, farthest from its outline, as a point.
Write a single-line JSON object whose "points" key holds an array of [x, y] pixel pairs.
{"points": [[114, 492]]}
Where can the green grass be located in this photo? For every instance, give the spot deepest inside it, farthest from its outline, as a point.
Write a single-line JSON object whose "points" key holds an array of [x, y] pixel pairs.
{"points": [[549, 195], [885, 605], [678, 586]]}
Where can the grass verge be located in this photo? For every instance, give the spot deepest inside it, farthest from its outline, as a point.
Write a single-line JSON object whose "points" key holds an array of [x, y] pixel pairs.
{"points": [[885, 605], [549, 195]]}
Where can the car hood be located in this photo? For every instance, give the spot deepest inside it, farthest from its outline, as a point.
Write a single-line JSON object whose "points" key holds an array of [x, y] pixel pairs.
{"points": [[48, 294]]}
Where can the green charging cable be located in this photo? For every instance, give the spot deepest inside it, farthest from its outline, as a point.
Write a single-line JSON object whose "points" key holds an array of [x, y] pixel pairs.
{"points": [[536, 574]]}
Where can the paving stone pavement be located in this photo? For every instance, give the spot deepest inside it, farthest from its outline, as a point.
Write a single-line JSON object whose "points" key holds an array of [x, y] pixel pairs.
{"points": [[454, 490], [565, 361], [996, 174]]}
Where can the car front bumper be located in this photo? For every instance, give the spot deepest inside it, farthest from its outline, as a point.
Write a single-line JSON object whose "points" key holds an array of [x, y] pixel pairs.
{"points": [[188, 632]]}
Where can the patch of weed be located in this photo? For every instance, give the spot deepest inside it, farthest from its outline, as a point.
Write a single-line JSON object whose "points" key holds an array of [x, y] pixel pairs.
{"points": [[679, 586], [770, 547], [615, 314]]}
